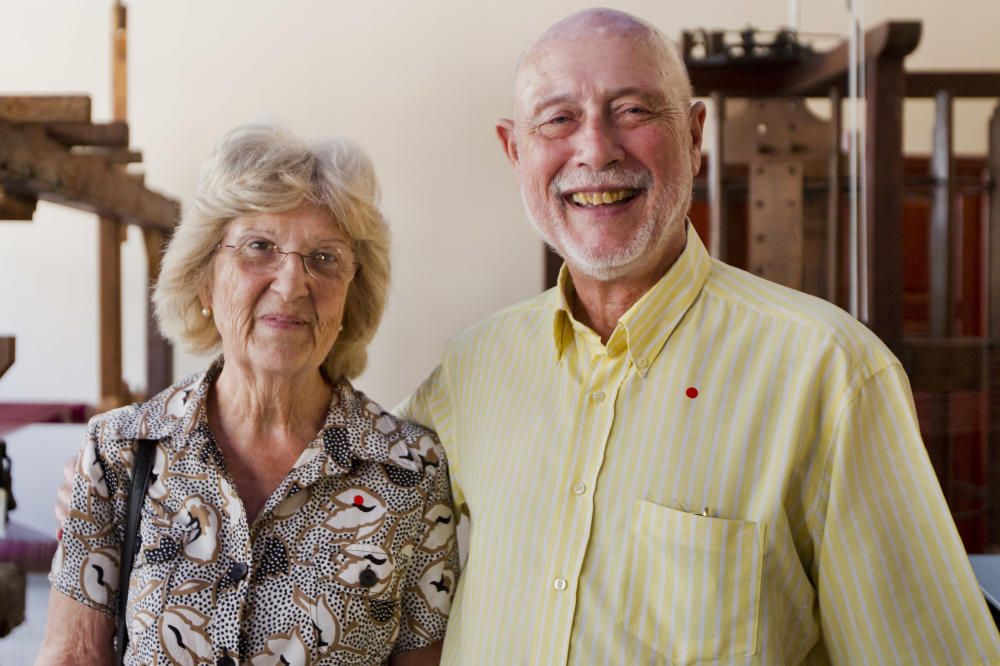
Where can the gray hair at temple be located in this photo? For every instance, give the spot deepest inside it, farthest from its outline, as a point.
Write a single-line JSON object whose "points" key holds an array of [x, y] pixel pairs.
{"points": [[266, 169]]}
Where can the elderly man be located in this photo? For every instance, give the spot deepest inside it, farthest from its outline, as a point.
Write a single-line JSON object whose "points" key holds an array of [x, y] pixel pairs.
{"points": [[667, 460]]}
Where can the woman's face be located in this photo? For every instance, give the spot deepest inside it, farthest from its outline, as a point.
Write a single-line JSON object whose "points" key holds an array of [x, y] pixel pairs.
{"points": [[280, 320]]}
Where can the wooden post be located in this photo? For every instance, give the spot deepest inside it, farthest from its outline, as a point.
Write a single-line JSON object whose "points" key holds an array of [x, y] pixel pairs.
{"points": [[940, 246], [7, 353], [993, 307], [718, 238], [833, 198], [939, 441], [119, 62], [159, 352], [884, 94], [110, 307]]}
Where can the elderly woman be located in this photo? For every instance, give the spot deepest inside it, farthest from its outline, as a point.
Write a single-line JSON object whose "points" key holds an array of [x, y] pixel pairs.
{"points": [[290, 519]]}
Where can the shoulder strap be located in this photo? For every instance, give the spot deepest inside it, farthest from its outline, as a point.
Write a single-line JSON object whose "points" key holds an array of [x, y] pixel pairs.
{"points": [[145, 454]]}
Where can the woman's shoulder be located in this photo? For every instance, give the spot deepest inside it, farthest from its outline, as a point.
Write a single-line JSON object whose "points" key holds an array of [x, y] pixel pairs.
{"points": [[155, 418], [396, 432]]}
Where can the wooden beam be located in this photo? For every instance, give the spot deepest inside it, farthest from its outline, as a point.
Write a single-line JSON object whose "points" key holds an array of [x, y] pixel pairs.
{"points": [[960, 83], [110, 135], [110, 308], [992, 366], [941, 243], [884, 94], [891, 40], [718, 239], [7, 353], [834, 184], [109, 155], [45, 108], [119, 62], [16, 207], [34, 164], [159, 352], [945, 365], [813, 76]]}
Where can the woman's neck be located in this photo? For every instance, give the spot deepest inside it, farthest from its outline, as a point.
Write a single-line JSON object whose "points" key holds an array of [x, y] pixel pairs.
{"points": [[281, 408]]}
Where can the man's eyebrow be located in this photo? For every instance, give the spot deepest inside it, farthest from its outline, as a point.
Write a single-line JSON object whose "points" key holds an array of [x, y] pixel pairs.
{"points": [[551, 100], [649, 94]]}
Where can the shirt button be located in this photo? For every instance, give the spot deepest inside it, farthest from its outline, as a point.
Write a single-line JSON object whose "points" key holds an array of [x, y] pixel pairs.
{"points": [[559, 584], [642, 362], [368, 578], [238, 571], [599, 396], [580, 488]]}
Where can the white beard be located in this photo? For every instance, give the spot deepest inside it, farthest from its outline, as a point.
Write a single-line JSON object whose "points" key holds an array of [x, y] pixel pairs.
{"points": [[609, 265]]}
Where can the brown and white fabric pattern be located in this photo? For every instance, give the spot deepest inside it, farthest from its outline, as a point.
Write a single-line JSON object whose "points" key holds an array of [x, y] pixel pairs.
{"points": [[352, 559]]}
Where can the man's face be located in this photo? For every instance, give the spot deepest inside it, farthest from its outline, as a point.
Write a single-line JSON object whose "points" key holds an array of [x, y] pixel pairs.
{"points": [[604, 152]]}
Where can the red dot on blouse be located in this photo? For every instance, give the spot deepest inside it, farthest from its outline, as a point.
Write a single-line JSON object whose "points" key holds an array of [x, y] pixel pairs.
{"points": [[692, 392], [358, 500]]}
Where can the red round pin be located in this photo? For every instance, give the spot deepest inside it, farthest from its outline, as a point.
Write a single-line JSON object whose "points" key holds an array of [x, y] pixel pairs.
{"points": [[358, 500], [692, 392]]}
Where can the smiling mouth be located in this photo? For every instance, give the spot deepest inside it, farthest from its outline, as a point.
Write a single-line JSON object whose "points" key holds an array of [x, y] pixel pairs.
{"points": [[606, 198]]}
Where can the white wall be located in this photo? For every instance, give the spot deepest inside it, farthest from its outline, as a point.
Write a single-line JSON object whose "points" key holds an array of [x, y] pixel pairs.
{"points": [[419, 84]]}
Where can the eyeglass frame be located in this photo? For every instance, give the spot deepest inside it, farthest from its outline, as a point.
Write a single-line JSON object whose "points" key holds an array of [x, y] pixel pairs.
{"points": [[304, 257]]}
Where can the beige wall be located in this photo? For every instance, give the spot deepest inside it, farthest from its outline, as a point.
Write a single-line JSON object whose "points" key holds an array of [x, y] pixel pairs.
{"points": [[419, 84]]}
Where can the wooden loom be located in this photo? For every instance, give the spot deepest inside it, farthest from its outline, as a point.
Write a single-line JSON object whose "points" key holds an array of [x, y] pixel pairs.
{"points": [[50, 149], [776, 205]]}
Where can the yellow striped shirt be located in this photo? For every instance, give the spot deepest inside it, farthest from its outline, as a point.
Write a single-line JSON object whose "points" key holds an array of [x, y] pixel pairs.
{"points": [[737, 476]]}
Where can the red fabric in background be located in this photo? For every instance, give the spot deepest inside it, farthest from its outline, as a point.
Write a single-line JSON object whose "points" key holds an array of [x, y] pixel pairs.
{"points": [[18, 414]]}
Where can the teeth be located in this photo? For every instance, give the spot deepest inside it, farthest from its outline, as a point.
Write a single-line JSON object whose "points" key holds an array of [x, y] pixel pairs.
{"points": [[600, 198]]}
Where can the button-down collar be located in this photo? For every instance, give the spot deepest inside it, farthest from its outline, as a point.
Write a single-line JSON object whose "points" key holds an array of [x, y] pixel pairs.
{"points": [[646, 326]]}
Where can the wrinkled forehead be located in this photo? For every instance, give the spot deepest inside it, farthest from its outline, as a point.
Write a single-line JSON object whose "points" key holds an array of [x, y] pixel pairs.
{"points": [[593, 65]]}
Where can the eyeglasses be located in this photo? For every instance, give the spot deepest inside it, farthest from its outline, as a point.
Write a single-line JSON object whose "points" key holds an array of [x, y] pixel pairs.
{"points": [[263, 257]]}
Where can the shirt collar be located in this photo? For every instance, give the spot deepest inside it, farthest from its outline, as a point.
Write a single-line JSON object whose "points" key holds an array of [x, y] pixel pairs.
{"points": [[646, 326], [356, 428]]}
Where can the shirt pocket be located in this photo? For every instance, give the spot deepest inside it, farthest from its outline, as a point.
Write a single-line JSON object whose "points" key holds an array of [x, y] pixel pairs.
{"points": [[692, 586]]}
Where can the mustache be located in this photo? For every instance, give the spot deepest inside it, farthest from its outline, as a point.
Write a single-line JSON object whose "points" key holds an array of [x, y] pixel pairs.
{"points": [[614, 177]]}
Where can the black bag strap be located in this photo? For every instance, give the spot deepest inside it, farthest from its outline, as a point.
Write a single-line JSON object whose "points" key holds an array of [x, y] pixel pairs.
{"points": [[145, 454]]}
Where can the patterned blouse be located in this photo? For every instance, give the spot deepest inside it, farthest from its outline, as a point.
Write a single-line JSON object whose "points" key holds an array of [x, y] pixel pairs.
{"points": [[352, 559]]}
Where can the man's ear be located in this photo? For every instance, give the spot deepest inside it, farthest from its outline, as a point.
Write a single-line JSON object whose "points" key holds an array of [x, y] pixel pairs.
{"points": [[505, 132], [696, 122]]}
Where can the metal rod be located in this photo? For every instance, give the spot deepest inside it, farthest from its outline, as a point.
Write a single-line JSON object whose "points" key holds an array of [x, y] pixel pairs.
{"points": [[718, 238]]}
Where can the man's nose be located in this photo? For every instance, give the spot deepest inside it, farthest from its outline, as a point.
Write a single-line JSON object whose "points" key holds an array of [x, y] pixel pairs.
{"points": [[290, 277], [598, 145]]}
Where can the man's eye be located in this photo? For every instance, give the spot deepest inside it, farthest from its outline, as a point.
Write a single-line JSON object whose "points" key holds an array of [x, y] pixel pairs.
{"points": [[634, 110]]}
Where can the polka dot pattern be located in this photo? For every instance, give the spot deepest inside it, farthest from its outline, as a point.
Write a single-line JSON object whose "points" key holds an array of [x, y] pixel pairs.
{"points": [[289, 585]]}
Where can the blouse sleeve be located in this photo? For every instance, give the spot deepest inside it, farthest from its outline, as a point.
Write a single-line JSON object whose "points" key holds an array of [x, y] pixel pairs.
{"points": [[85, 566], [430, 577]]}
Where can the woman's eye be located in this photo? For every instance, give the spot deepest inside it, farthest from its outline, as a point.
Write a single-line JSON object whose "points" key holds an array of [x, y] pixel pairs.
{"points": [[324, 257], [260, 245]]}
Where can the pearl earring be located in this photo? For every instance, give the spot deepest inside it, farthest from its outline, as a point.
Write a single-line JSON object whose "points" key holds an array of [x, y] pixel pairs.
{"points": [[206, 312]]}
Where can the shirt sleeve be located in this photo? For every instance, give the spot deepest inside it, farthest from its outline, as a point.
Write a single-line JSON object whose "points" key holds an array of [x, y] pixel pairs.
{"points": [[85, 566], [429, 580], [894, 582], [430, 406]]}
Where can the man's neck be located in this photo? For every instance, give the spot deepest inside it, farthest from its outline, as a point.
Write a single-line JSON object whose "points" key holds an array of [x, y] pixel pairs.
{"points": [[600, 304]]}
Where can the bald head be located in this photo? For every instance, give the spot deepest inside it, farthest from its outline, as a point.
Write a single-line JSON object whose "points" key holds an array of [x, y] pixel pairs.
{"points": [[607, 24]]}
